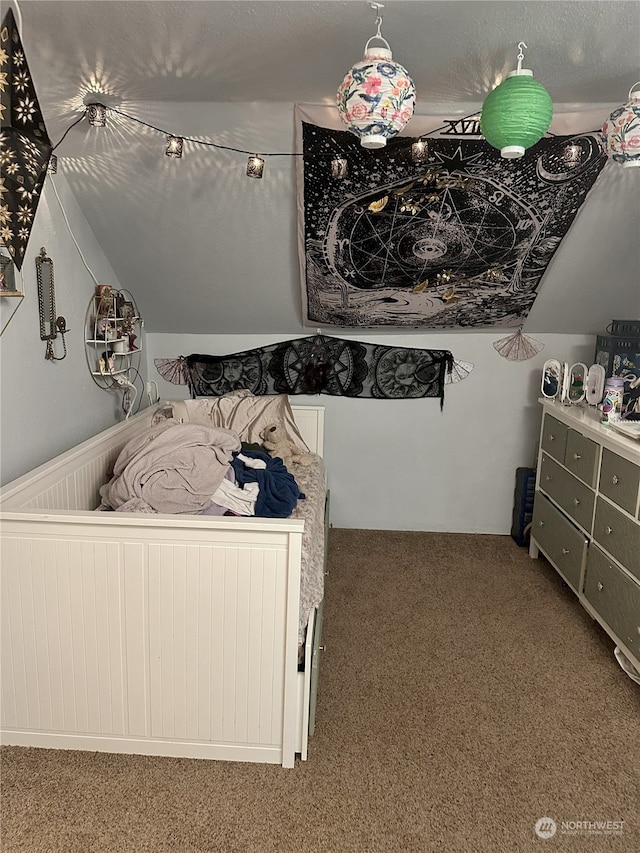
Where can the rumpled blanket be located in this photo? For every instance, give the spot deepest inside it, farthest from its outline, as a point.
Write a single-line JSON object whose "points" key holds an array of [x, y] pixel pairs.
{"points": [[171, 468], [279, 492]]}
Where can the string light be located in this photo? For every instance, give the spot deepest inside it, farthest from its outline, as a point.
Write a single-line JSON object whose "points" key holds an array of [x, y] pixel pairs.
{"points": [[339, 168], [419, 151], [255, 167], [572, 155], [97, 115], [174, 146]]}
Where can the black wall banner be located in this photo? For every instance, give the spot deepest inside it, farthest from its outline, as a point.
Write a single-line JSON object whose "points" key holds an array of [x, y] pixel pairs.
{"points": [[317, 365], [460, 239]]}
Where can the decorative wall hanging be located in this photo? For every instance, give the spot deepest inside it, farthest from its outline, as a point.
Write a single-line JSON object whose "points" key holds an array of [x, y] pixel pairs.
{"points": [[518, 347], [318, 365], [25, 146], [621, 131], [461, 240]]}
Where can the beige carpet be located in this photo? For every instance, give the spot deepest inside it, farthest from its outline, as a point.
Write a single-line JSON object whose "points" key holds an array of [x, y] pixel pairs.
{"points": [[464, 694]]}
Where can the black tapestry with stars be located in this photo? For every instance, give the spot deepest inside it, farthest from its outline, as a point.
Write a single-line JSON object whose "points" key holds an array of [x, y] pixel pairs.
{"points": [[25, 146], [459, 239]]}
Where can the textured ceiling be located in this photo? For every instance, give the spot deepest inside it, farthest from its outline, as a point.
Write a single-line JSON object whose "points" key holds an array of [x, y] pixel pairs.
{"points": [[230, 71], [131, 52]]}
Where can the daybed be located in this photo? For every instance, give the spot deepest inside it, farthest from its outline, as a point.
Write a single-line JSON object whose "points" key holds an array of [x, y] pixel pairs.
{"points": [[156, 634]]}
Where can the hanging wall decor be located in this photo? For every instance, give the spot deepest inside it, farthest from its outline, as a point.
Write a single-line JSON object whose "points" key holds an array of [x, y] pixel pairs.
{"points": [[518, 346], [25, 146], [461, 239], [318, 365]]}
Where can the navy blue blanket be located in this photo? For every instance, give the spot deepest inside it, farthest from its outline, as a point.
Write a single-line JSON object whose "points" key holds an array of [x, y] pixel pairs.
{"points": [[279, 491]]}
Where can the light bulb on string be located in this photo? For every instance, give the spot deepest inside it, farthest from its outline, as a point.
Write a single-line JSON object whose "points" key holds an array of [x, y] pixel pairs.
{"points": [[174, 146], [255, 167], [572, 155], [419, 150], [97, 115], [339, 168]]}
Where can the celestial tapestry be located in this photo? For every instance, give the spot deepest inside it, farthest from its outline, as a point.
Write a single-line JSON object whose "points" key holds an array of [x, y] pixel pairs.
{"points": [[459, 238], [25, 146], [316, 365]]}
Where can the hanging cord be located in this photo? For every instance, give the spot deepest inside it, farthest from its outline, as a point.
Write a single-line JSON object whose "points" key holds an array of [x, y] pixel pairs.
{"points": [[64, 215]]}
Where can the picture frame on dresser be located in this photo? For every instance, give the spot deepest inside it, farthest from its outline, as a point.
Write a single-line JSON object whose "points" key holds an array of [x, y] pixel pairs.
{"points": [[586, 517]]}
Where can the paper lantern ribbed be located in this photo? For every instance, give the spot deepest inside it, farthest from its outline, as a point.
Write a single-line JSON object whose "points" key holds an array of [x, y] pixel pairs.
{"points": [[516, 114], [621, 132], [376, 97]]}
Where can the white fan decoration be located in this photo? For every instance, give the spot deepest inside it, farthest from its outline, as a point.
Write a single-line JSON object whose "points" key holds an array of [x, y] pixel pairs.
{"points": [[459, 371], [518, 347], [172, 369]]}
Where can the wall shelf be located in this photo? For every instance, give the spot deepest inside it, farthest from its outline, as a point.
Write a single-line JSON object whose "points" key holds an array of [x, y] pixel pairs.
{"points": [[112, 336]]}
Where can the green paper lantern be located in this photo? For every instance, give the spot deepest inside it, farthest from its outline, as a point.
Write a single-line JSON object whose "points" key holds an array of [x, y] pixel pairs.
{"points": [[516, 114]]}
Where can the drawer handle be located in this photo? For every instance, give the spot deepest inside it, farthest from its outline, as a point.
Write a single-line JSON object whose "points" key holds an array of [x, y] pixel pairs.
{"points": [[552, 437], [577, 456], [541, 524], [608, 529], [615, 479], [565, 551], [600, 586], [548, 477], [576, 502]]}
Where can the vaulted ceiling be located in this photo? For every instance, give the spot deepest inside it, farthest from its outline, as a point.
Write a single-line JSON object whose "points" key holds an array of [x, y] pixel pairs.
{"points": [[203, 248]]}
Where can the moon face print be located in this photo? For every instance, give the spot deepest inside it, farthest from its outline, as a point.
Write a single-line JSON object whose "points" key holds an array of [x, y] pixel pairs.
{"points": [[462, 240]]}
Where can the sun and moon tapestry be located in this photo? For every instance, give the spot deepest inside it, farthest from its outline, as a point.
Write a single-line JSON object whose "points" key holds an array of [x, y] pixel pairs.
{"points": [[458, 238]]}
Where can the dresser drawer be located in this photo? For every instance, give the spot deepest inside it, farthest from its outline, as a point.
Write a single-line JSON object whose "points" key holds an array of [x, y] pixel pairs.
{"points": [[619, 535], [619, 480], [567, 491], [563, 543], [615, 596], [581, 457], [554, 437]]}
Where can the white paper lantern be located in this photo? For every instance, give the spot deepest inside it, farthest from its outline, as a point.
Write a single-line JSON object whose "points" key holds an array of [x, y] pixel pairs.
{"points": [[621, 131], [376, 97]]}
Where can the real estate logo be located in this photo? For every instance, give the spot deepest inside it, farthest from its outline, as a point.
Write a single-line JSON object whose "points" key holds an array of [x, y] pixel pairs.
{"points": [[545, 827]]}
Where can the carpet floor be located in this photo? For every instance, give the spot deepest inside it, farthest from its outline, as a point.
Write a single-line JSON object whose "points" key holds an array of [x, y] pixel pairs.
{"points": [[464, 695]]}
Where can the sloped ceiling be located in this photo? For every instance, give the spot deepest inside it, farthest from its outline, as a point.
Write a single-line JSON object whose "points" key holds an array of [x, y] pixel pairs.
{"points": [[207, 250]]}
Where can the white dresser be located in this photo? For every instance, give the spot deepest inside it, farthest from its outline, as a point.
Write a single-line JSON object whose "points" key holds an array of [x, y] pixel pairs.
{"points": [[586, 516]]}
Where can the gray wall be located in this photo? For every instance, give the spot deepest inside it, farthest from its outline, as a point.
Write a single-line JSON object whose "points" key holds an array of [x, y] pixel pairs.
{"points": [[405, 465], [48, 406]]}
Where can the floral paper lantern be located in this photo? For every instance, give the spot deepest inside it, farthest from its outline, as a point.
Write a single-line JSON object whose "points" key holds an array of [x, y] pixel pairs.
{"points": [[621, 131], [376, 97], [517, 113]]}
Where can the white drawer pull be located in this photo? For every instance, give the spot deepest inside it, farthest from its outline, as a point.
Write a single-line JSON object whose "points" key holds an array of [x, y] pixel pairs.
{"points": [[552, 437], [565, 551], [576, 502], [615, 479], [548, 477], [541, 524], [609, 529], [577, 456], [600, 586]]}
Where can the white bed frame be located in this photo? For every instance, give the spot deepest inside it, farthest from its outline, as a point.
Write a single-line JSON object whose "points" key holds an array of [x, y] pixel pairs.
{"points": [[150, 634]]}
